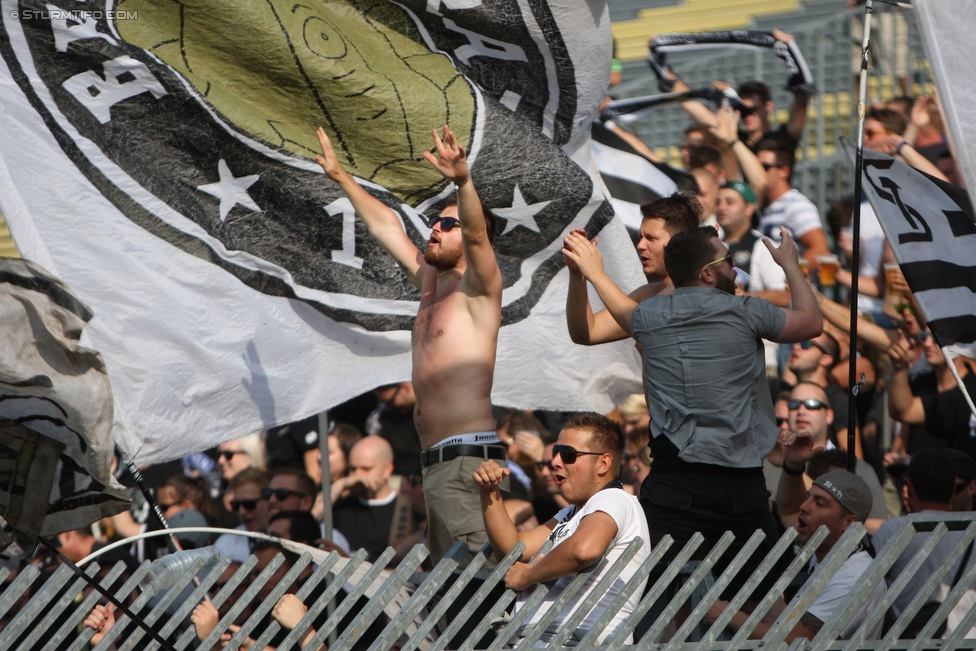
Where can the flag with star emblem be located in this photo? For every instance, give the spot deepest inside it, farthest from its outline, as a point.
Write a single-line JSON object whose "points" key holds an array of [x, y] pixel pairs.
{"points": [[159, 158]]}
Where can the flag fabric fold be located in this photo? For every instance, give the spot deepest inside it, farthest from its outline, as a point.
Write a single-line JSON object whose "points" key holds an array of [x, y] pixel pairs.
{"points": [[55, 409], [632, 178]]}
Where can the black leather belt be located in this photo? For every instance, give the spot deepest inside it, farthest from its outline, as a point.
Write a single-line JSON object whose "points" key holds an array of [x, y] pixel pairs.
{"points": [[449, 452]]}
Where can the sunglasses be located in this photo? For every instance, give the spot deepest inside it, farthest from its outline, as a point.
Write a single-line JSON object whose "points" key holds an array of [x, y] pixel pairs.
{"points": [[901, 308], [545, 464], [280, 494], [780, 421], [228, 455], [447, 223], [569, 454], [769, 166], [923, 337], [807, 345], [247, 505], [871, 133], [809, 403], [727, 258]]}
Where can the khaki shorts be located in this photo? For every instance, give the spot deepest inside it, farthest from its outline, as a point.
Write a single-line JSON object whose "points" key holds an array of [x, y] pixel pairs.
{"points": [[454, 507]]}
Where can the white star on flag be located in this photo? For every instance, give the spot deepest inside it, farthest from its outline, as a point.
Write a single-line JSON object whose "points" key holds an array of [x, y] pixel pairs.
{"points": [[521, 213], [231, 191]]}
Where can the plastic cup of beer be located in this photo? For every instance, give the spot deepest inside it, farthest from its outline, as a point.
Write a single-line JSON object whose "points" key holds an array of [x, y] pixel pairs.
{"points": [[804, 267], [891, 270], [829, 264]]}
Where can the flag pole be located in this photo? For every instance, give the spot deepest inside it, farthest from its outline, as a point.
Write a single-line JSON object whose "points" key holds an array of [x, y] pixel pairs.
{"points": [[852, 385], [172, 542]]}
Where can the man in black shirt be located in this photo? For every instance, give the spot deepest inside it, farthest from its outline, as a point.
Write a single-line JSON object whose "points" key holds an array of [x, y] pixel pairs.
{"points": [[945, 413], [755, 121], [367, 515], [393, 420]]}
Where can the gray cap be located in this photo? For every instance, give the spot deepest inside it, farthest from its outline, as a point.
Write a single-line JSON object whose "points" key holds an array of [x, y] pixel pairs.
{"points": [[850, 490], [190, 518]]}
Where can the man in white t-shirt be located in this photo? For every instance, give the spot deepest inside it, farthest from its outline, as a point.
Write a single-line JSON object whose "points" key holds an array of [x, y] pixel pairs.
{"points": [[836, 500], [599, 523], [785, 206]]}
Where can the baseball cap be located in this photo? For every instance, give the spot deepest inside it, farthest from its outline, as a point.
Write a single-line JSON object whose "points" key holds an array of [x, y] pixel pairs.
{"points": [[190, 518], [850, 490], [742, 189]]}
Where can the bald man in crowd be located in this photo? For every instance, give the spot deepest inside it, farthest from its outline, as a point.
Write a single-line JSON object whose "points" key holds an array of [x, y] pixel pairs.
{"points": [[371, 514]]}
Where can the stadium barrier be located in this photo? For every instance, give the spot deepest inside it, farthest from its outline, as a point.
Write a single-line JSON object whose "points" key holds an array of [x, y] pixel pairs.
{"points": [[467, 607]]}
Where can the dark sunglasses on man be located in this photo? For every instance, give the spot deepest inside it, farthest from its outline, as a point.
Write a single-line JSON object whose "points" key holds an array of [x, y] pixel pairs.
{"points": [[808, 344], [280, 494], [569, 454], [809, 403], [247, 505], [447, 223], [228, 455]]}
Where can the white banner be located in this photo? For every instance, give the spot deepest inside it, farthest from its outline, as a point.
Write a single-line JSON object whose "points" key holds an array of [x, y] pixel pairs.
{"points": [[172, 188], [945, 27]]}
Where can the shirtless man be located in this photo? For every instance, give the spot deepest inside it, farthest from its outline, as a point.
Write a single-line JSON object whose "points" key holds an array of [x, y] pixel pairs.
{"points": [[662, 219], [454, 339]]}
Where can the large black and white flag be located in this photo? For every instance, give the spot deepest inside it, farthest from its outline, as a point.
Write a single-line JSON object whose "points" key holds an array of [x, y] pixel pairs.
{"points": [[930, 226], [158, 157], [631, 177]]}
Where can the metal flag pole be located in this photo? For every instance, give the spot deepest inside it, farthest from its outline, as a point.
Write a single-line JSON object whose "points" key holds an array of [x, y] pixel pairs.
{"points": [[173, 544], [856, 253]]}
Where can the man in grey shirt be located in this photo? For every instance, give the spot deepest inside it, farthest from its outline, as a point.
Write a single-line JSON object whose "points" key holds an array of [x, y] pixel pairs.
{"points": [[712, 419]]}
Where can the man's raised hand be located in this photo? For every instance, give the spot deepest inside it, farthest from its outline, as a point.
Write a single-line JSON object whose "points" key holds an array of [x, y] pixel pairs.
{"points": [[328, 160], [451, 161], [786, 253], [489, 475], [726, 127], [798, 448], [901, 352], [581, 253]]}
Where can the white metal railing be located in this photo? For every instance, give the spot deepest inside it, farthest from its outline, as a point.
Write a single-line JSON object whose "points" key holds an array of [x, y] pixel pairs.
{"points": [[466, 606]]}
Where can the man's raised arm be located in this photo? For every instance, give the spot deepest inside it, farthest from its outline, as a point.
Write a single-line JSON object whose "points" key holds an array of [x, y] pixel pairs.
{"points": [[382, 222], [586, 264], [483, 273], [803, 321]]}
